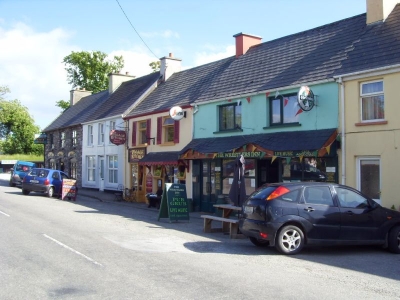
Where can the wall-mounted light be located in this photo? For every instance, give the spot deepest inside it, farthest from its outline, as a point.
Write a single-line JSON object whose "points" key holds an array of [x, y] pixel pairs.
{"points": [[196, 109], [150, 138]]}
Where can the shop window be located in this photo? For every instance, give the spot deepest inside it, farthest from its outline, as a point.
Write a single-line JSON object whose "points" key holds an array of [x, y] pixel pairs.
{"points": [[113, 169], [73, 168], [284, 110], [158, 171], [91, 168], [51, 141], [372, 101], [90, 135], [101, 134], [307, 169], [228, 168], [230, 116], [369, 177]]}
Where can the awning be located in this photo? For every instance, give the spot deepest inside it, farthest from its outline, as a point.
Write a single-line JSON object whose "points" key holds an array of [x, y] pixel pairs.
{"points": [[160, 158], [270, 143]]}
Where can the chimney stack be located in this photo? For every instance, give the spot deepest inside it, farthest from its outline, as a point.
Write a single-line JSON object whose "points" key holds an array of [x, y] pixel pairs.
{"points": [[379, 10], [244, 42], [77, 94], [169, 65], [116, 79]]}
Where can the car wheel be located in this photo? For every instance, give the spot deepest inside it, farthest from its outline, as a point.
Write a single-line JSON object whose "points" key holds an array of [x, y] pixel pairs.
{"points": [[50, 193], [12, 184], [290, 240], [25, 192], [394, 240], [259, 242]]}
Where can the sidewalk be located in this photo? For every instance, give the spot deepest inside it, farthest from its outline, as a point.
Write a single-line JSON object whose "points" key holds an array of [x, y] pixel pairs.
{"points": [[110, 197]]}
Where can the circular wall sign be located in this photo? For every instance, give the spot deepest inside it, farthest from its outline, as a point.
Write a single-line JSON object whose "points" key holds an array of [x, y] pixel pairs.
{"points": [[176, 113], [306, 98]]}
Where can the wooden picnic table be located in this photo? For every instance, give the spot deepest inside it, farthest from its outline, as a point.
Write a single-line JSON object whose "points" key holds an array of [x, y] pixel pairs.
{"points": [[227, 209]]}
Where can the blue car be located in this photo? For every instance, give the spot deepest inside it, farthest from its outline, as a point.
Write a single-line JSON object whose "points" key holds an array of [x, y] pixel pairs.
{"points": [[19, 170], [46, 181]]}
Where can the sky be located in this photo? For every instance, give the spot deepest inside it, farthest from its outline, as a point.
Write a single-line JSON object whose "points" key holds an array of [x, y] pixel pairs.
{"points": [[36, 35]]}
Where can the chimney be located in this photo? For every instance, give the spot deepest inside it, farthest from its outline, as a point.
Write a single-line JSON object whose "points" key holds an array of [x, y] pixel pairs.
{"points": [[116, 79], [379, 10], [169, 65], [77, 94], [244, 42]]}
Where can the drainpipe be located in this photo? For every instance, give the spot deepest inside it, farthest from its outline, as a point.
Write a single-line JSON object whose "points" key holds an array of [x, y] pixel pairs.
{"points": [[343, 133]]}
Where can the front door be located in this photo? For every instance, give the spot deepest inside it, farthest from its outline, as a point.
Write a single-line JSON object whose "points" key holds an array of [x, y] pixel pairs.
{"points": [[101, 173], [208, 196]]}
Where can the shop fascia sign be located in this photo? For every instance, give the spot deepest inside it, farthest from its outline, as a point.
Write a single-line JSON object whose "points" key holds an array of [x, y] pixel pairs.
{"points": [[246, 154], [117, 137], [306, 98]]}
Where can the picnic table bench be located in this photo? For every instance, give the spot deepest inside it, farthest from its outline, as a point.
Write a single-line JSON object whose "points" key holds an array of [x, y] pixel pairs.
{"points": [[228, 225]]}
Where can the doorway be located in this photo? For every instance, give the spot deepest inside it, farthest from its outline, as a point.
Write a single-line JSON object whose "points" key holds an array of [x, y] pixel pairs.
{"points": [[268, 172], [208, 197]]}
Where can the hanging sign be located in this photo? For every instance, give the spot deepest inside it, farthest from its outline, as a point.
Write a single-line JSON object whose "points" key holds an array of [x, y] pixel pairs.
{"points": [[176, 113], [118, 137], [306, 98]]}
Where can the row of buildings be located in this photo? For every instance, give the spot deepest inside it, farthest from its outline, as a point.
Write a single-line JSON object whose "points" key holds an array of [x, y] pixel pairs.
{"points": [[318, 105]]}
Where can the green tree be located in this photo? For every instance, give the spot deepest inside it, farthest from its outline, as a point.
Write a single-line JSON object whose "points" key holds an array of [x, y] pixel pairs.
{"points": [[64, 105], [155, 66], [17, 127], [90, 70]]}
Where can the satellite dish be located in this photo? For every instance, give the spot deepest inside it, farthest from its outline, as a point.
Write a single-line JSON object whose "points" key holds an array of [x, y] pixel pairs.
{"points": [[176, 113]]}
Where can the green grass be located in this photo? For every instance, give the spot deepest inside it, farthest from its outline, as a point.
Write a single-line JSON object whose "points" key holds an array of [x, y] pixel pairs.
{"points": [[24, 157]]}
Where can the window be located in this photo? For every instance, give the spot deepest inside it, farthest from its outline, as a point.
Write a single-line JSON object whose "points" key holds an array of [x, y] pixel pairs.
{"points": [[368, 177], [90, 135], [74, 138], [168, 129], [230, 117], [62, 139], [112, 127], [91, 168], [101, 134], [73, 168], [51, 141], [143, 132], [372, 101], [113, 169], [350, 199], [284, 110], [318, 195]]}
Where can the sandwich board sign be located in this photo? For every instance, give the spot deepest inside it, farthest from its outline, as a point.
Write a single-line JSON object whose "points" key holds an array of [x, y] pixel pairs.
{"points": [[174, 204]]}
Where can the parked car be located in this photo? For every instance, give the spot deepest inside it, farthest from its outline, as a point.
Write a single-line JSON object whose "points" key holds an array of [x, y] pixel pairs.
{"points": [[45, 181], [292, 215], [19, 170]]}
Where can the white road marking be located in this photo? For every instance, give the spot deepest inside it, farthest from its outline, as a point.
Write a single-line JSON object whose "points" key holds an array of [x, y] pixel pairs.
{"points": [[73, 250], [4, 213]]}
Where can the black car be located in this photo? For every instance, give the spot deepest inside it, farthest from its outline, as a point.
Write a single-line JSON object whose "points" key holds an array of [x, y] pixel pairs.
{"points": [[291, 215]]}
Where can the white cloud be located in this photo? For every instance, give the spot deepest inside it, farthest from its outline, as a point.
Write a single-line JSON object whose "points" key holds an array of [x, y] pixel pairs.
{"points": [[205, 57], [31, 66]]}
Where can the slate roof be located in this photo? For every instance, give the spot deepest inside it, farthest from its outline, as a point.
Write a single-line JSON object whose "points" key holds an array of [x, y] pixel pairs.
{"points": [[124, 97], [378, 46], [279, 141], [78, 113], [182, 88], [160, 158], [312, 55]]}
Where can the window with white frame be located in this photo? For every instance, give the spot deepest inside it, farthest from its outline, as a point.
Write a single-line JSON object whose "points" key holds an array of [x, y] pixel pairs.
{"points": [[101, 133], [372, 101], [74, 138], [62, 139], [90, 135], [91, 167], [284, 109], [369, 176], [112, 127], [142, 132], [168, 129], [230, 116], [113, 169]]}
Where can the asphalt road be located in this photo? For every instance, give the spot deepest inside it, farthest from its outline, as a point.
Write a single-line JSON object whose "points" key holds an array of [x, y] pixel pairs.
{"points": [[53, 249]]}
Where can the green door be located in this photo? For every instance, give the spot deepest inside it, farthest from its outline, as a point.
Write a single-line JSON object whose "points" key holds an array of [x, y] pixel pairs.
{"points": [[208, 196]]}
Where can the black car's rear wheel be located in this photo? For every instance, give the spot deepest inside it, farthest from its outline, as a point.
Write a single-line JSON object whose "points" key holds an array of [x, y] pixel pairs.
{"points": [[290, 240], [259, 242], [50, 193], [394, 240], [25, 192]]}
